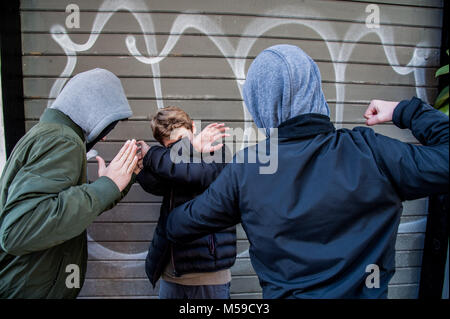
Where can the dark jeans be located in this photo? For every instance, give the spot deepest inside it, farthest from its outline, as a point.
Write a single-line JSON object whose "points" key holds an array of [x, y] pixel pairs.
{"points": [[170, 290]]}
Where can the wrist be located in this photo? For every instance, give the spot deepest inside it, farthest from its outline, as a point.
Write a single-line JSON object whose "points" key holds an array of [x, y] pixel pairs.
{"points": [[197, 143], [391, 105]]}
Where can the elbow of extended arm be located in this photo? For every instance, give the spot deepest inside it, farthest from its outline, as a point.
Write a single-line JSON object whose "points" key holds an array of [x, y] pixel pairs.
{"points": [[10, 246], [174, 229], [181, 232], [170, 232]]}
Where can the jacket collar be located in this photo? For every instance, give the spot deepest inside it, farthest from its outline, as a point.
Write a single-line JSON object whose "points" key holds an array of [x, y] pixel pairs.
{"points": [[58, 117], [305, 125]]}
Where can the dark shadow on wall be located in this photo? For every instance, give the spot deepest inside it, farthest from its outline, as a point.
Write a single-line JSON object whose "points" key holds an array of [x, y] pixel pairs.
{"points": [[11, 71], [436, 238]]}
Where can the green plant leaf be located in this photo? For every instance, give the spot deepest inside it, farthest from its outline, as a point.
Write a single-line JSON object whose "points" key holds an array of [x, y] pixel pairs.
{"points": [[444, 109], [441, 71], [441, 98]]}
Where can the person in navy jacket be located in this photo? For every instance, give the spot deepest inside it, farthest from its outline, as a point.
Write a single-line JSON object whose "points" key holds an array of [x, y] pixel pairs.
{"points": [[199, 269], [331, 209]]}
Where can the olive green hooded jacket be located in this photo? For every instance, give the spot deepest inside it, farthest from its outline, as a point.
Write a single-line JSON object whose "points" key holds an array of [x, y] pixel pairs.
{"points": [[45, 207]]}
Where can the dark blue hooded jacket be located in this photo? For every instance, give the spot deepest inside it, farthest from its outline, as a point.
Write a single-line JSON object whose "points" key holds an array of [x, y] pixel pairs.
{"points": [[332, 207]]}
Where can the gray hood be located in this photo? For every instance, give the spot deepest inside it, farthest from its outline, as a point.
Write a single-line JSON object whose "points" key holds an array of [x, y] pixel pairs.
{"points": [[93, 100], [283, 82]]}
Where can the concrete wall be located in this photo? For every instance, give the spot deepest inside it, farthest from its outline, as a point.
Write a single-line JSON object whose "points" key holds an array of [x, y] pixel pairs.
{"points": [[195, 54]]}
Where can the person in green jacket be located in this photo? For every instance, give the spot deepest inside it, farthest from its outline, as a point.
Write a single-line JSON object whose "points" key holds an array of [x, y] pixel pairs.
{"points": [[46, 203]]}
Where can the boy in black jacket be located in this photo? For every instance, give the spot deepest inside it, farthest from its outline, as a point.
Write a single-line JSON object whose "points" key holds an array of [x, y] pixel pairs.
{"points": [[199, 269]]}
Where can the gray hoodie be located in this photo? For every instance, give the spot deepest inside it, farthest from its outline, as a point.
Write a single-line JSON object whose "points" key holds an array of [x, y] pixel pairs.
{"points": [[274, 94], [93, 100]]}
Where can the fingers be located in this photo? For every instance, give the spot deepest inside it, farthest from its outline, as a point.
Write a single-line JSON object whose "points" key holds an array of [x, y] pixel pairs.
{"points": [[222, 128], [140, 164], [208, 129], [219, 127], [219, 136], [373, 120], [139, 167], [141, 143], [371, 114], [132, 165], [131, 154], [380, 111], [371, 110], [139, 149], [101, 166], [127, 152], [137, 170], [143, 148], [216, 126], [122, 151], [211, 125]]}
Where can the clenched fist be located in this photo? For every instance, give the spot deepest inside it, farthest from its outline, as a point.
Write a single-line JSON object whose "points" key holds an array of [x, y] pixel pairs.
{"points": [[121, 167], [379, 111]]}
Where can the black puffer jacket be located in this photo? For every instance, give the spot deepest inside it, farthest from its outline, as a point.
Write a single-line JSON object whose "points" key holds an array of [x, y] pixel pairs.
{"points": [[179, 183]]}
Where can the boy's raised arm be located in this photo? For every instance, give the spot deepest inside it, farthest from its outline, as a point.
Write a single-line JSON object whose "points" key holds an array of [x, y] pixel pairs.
{"points": [[152, 183], [197, 174]]}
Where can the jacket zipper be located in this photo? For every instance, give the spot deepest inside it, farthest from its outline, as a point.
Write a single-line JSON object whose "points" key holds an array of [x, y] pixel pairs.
{"points": [[175, 273], [212, 245]]}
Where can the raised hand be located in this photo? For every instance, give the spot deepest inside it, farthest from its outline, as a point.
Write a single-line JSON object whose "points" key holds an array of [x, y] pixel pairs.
{"points": [[204, 140], [379, 111], [122, 166], [144, 149]]}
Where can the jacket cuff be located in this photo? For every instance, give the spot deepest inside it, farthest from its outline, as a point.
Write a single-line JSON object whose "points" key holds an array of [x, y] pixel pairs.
{"points": [[106, 192], [146, 161], [404, 112], [127, 189]]}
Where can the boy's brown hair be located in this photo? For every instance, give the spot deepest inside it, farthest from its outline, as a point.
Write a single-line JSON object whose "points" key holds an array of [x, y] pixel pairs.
{"points": [[168, 119]]}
